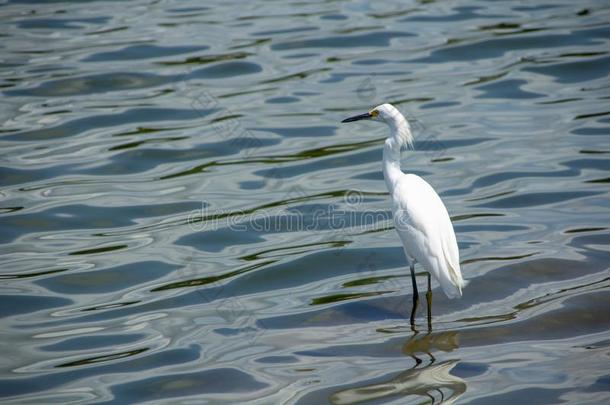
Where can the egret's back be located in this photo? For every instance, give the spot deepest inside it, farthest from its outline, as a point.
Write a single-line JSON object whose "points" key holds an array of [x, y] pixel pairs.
{"points": [[425, 228]]}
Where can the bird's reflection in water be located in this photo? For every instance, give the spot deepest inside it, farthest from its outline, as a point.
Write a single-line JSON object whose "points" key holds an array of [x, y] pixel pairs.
{"points": [[432, 380], [423, 344]]}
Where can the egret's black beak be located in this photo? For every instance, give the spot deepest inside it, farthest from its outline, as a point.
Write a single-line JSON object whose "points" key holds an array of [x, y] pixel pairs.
{"points": [[365, 116]]}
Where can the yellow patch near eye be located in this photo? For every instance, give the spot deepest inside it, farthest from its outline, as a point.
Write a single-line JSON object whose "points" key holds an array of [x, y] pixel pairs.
{"points": [[374, 113]]}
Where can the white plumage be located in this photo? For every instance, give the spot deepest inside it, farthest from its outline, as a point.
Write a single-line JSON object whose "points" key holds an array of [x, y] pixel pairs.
{"points": [[423, 224], [420, 217]]}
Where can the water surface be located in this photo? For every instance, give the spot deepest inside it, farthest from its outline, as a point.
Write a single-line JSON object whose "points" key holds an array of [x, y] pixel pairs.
{"points": [[184, 219]]}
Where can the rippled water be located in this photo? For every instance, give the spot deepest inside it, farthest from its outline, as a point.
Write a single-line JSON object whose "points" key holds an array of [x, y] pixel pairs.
{"points": [[183, 217]]}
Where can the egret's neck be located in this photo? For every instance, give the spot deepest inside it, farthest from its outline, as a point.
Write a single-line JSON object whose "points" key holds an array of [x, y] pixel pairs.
{"points": [[400, 134], [391, 162]]}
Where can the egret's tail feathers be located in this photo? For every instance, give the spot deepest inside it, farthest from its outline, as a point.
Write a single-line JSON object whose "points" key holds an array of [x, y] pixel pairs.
{"points": [[452, 282]]}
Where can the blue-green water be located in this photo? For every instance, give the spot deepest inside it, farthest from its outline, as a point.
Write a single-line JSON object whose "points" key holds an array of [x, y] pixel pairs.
{"points": [[183, 218]]}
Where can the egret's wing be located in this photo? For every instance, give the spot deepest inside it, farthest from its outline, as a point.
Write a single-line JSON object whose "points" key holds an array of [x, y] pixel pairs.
{"points": [[452, 255], [425, 228], [447, 235]]}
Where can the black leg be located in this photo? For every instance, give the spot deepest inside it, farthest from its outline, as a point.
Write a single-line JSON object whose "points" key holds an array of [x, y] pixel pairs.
{"points": [[415, 294], [429, 299]]}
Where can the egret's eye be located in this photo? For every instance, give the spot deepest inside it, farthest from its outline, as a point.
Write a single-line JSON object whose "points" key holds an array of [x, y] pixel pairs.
{"points": [[374, 113]]}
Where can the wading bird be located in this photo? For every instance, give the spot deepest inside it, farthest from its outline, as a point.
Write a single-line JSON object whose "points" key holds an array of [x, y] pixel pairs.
{"points": [[420, 217]]}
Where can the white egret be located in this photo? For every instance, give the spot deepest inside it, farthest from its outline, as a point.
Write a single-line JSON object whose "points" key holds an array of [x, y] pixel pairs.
{"points": [[420, 217]]}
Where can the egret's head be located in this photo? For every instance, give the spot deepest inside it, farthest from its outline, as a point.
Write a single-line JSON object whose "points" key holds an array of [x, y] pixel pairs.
{"points": [[385, 113], [390, 115]]}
